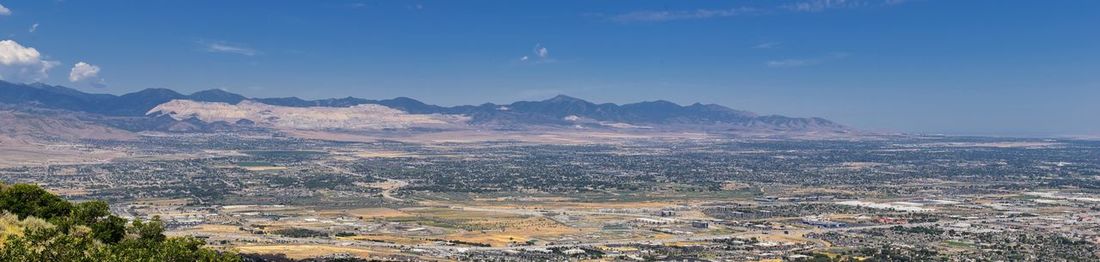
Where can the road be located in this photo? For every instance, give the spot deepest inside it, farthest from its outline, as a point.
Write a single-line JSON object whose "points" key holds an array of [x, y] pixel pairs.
{"points": [[396, 184], [387, 192]]}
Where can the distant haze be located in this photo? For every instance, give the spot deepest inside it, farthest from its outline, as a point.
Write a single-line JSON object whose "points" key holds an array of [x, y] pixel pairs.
{"points": [[1012, 68]]}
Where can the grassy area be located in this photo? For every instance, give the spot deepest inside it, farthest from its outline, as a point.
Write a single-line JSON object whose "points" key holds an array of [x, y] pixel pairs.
{"points": [[254, 164], [285, 153], [959, 244]]}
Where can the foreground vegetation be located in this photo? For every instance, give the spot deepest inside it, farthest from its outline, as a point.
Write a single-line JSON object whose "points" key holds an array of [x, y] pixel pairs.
{"points": [[36, 225]]}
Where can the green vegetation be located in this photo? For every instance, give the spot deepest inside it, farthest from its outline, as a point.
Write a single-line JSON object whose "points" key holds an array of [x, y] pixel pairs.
{"points": [[300, 233], [958, 244], [286, 155], [345, 234], [40, 226], [918, 230], [883, 253], [463, 243]]}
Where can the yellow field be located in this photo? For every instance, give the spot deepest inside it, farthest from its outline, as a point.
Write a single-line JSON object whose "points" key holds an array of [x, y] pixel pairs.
{"points": [[264, 168], [554, 203], [388, 239], [308, 251], [227, 229], [733, 185], [504, 231], [381, 154], [459, 215], [487, 227], [368, 213]]}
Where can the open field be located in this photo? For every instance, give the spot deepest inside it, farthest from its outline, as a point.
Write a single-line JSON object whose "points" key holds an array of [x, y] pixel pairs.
{"points": [[308, 251]]}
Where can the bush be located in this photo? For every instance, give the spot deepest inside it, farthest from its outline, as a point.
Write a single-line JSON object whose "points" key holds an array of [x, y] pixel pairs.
{"points": [[53, 229], [300, 233]]}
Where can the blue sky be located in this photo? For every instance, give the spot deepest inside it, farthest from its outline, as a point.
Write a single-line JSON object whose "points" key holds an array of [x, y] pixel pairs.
{"points": [[998, 67]]}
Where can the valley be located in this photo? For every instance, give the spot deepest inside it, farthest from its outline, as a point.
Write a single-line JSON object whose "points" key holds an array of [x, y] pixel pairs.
{"points": [[696, 197]]}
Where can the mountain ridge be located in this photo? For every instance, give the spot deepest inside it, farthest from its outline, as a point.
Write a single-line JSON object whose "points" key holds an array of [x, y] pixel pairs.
{"points": [[561, 110]]}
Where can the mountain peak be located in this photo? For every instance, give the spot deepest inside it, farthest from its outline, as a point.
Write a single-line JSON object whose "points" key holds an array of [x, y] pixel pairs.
{"points": [[564, 98], [405, 99], [216, 95], [155, 92], [216, 91], [661, 103]]}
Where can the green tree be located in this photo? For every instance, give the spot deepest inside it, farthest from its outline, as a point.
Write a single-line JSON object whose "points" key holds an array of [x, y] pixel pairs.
{"points": [[151, 231], [87, 232], [30, 200]]}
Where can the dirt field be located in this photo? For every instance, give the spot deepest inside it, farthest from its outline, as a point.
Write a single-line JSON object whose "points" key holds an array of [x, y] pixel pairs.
{"points": [[224, 229], [368, 213], [264, 168], [501, 232], [308, 251], [39, 155], [382, 154]]}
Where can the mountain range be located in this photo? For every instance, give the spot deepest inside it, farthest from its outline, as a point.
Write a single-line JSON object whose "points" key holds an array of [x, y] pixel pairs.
{"points": [[148, 110]]}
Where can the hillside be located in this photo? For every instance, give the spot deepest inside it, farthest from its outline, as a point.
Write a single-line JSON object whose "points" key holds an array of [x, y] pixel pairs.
{"points": [[33, 127], [220, 110]]}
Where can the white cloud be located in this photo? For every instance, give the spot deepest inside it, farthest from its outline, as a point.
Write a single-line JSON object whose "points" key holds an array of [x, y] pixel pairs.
{"points": [[820, 5], [661, 16], [22, 64], [541, 51], [823, 5], [539, 54], [4, 10], [223, 47], [806, 61], [82, 71], [86, 73], [33, 28]]}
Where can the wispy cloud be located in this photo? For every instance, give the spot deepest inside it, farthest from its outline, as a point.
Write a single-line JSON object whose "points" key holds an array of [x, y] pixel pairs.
{"points": [[774, 7], [33, 28], [541, 51], [539, 54], [801, 62], [4, 10], [823, 5], [766, 45], [793, 62], [661, 16], [223, 47]]}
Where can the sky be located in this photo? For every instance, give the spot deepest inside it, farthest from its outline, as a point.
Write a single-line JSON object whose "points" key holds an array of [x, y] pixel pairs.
{"points": [[965, 67]]}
